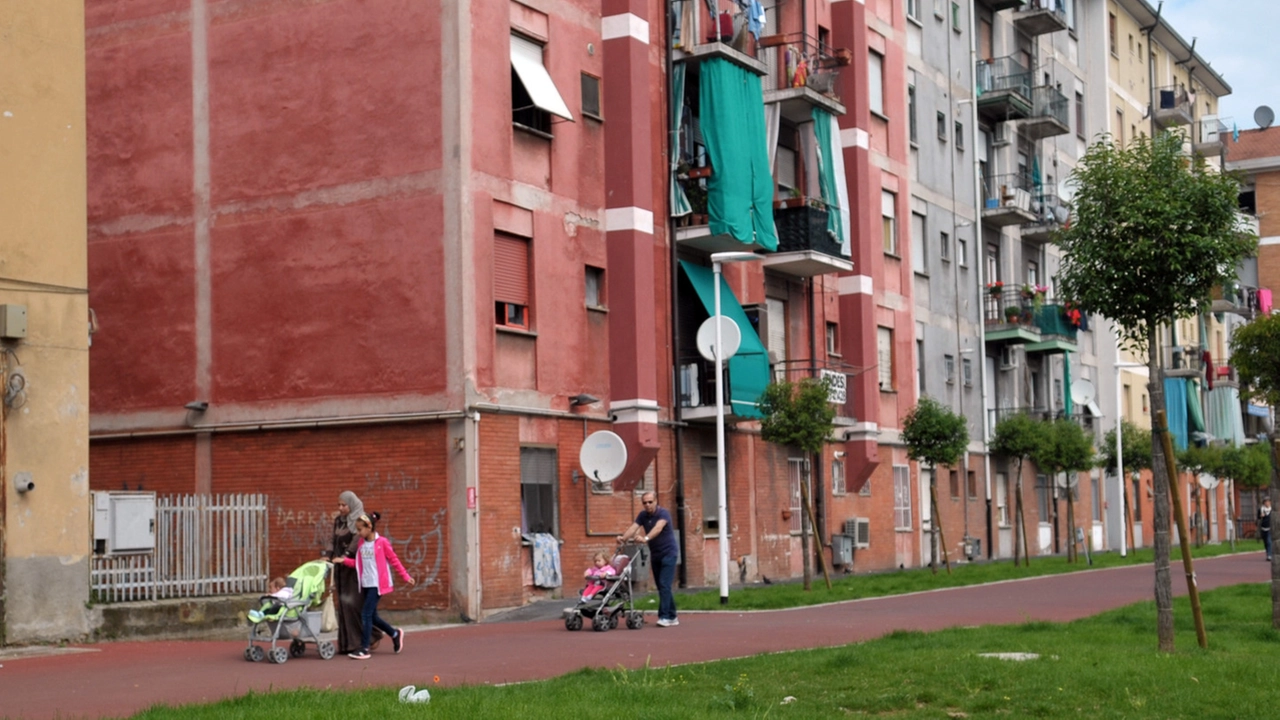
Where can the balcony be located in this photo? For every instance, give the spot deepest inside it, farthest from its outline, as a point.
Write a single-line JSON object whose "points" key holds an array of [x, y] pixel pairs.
{"points": [[1048, 116], [1224, 375], [696, 36], [1182, 361], [1057, 331], [1041, 17], [998, 5], [1007, 201], [1209, 132], [1173, 107], [802, 75], [806, 246], [838, 373], [1051, 214], [1235, 298], [1004, 90], [1086, 420], [1008, 316]]}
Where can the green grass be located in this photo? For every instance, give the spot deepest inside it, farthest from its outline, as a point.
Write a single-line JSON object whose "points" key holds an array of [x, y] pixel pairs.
{"points": [[898, 582], [1100, 667]]}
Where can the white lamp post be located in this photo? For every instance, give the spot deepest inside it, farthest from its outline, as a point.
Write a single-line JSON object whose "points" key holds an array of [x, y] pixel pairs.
{"points": [[1119, 452], [717, 259]]}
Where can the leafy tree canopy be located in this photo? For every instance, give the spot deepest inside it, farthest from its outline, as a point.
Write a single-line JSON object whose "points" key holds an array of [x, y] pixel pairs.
{"points": [[1249, 466], [1152, 233], [1136, 448], [934, 434], [1018, 436], [1066, 448], [1196, 459], [798, 414], [1255, 354]]}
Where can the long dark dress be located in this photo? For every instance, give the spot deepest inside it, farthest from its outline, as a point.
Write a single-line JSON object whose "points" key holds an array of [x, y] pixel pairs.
{"points": [[347, 597]]}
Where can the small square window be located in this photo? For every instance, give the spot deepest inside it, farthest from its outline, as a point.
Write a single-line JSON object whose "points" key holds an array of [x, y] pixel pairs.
{"points": [[591, 96], [944, 247], [942, 126], [966, 366], [959, 135], [595, 288], [955, 16], [949, 366], [962, 251], [833, 339]]}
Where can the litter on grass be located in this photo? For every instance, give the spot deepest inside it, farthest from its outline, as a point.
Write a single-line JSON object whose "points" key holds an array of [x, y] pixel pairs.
{"points": [[1015, 656], [410, 694]]}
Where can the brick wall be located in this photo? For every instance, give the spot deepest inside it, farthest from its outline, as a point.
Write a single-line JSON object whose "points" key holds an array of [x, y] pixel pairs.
{"points": [[165, 465]]}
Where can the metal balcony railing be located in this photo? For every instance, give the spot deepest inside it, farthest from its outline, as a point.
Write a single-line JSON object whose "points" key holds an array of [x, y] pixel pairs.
{"points": [[797, 60], [1182, 360], [1011, 305], [1008, 190], [1173, 106], [1004, 73], [695, 27], [1046, 101]]}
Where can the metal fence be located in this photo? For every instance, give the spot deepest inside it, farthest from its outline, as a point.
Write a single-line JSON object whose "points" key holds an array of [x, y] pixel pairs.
{"points": [[205, 545]]}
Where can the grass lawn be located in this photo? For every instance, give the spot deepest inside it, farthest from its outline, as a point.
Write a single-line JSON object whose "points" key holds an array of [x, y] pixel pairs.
{"points": [[898, 582], [1100, 667]]}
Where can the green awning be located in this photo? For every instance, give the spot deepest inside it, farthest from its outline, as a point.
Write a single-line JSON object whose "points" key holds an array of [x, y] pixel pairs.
{"points": [[749, 368], [740, 189], [1195, 416]]}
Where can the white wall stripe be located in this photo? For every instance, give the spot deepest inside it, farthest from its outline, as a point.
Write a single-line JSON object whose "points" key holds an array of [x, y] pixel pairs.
{"points": [[624, 25], [628, 218], [854, 285], [1269, 240]]}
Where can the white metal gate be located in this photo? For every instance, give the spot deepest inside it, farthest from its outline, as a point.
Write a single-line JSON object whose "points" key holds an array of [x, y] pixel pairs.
{"points": [[205, 545]]}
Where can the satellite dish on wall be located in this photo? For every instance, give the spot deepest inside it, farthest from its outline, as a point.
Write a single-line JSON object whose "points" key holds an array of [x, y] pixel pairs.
{"points": [[1068, 480], [603, 456], [730, 335], [1207, 481], [1083, 392], [1264, 116]]}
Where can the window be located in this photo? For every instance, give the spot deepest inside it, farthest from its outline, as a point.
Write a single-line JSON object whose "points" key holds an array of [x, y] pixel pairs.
{"points": [[901, 497], [1080, 115], [866, 488], [944, 247], [875, 82], [959, 135], [1044, 497], [1118, 132], [1145, 408], [1128, 400], [1033, 273], [919, 367], [1130, 43], [913, 9], [884, 357], [949, 368], [954, 482], [837, 477], [966, 367], [1135, 501], [912, 132], [1095, 484], [1057, 393], [833, 339], [985, 47], [919, 260], [591, 96], [797, 474], [775, 336], [711, 496], [534, 97], [511, 281], [955, 16], [538, 491], [889, 222], [942, 126], [962, 250], [1002, 500], [993, 263], [973, 485], [1111, 34], [595, 287]]}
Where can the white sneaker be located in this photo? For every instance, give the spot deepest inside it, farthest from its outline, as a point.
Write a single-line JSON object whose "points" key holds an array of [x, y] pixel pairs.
{"points": [[663, 622]]}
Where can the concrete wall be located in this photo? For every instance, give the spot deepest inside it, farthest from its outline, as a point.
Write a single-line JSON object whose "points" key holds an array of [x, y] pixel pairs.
{"points": [[44, 533]]}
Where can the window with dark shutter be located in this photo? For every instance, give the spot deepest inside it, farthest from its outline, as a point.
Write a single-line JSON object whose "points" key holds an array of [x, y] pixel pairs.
{"points": [[538, 491], [511, 281]]}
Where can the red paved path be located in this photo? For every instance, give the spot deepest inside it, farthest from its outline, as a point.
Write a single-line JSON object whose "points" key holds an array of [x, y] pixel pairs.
{"points": [[119, 679]]}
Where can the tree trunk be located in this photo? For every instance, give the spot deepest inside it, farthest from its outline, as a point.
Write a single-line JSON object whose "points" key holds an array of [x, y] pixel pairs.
{"points": [[1275, 556], [937, 520], [1072, 554], [1184, 540], [1022, 520], [821, 554], [1128, 512], [1160, 497], [1017, 514], [804, 529]]}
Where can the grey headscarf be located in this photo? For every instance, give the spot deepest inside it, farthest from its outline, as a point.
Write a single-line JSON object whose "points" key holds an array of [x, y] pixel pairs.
{"points": [[355, 507]]}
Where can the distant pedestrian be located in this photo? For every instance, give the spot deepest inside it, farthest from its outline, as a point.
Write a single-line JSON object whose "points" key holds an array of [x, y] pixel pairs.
{"points": [[373, 562], [653, 526], [1264, 525]]}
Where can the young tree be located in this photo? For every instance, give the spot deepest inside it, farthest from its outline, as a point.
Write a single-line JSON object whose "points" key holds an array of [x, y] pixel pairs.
{"points": [[1018, 436], [1065, 449], [1197, 461], [1152, 233], [1136, 450], [1255, 353], [800, 414], [935, 436]]}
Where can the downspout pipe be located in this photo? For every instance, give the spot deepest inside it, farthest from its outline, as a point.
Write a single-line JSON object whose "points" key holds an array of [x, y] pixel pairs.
{"points": [[673, 139], [977, 289]]}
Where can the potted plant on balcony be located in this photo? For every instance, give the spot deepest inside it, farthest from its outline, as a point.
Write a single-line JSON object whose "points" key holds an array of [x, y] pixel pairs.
{"points": [[1012, 313], [802, 225], [995, 288]]}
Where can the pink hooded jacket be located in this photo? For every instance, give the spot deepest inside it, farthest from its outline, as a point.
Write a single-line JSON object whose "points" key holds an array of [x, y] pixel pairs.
{"points": [[383, 554]]}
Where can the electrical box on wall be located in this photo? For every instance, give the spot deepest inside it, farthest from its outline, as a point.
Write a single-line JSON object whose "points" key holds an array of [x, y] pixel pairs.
{"points": [[124, 522], [13, 322]]}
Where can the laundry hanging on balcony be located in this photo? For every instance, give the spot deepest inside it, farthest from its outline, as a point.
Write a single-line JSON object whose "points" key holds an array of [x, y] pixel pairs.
{"points": [[1175, 402], [740, 189], [831, 178], [679, 200]]}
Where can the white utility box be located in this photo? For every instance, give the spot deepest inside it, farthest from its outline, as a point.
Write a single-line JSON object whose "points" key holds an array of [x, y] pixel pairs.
{"points": [[124, 522]]}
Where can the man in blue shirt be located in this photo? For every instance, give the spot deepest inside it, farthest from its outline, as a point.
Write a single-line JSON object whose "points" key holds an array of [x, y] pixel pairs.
{"points": [[653, 526]]}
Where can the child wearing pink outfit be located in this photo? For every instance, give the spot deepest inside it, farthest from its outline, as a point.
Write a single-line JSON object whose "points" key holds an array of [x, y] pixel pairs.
{"points": [[373, 562], [598, 573]]}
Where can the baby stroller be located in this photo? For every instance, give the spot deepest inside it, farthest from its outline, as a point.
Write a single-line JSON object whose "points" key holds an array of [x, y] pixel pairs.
{"points": [[606, 606], [278, 619]]}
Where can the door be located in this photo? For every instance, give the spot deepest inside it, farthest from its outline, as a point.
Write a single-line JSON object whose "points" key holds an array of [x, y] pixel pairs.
{"points": [[926, 520]]}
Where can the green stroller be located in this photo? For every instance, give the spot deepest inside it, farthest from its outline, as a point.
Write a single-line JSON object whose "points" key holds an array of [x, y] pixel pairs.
{"points": [[275, 619]]}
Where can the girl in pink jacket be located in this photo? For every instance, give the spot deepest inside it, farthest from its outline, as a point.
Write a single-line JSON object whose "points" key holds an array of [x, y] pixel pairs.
{"points": [[373, 562]]}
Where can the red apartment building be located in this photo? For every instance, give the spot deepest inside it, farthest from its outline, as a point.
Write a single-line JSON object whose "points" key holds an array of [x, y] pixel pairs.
{"points": [[420, 250]]}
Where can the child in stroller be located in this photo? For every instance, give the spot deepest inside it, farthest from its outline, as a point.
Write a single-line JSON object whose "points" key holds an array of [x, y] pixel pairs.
{"points": [[607, 596], [283, 615]]}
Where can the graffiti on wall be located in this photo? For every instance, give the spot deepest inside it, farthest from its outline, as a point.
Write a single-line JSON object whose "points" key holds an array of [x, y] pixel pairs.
{"points": [[422, 551], [391, 481]]}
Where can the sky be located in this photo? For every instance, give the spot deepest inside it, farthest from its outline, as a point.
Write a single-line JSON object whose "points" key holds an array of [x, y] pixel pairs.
{"points": [[1240, 39]]}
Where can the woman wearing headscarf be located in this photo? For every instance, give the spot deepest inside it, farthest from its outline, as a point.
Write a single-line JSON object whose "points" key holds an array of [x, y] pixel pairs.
{"points": [[348, 598]]}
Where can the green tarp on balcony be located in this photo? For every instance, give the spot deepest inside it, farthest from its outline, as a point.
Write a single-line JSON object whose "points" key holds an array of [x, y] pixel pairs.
{"points": [[749, 368], [740, 189]]}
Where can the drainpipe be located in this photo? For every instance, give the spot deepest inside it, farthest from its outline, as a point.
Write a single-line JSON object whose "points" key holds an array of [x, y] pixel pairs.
{"points": [[475, 591], [977, 252], [673, 138]]}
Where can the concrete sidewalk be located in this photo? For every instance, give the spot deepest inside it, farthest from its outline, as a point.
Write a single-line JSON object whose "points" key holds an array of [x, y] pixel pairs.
{"points": [[120, 679]]}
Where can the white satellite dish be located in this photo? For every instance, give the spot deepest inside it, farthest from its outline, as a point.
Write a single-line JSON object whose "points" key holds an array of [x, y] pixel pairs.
{"points": [[1264, 116], [730, 336], [603, 456], [1207, 481], [1083, 392], [1067, 480]]}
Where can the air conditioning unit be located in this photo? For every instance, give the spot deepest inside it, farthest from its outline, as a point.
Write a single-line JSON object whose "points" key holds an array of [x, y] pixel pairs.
{"points": [[1008, 358], [124, 522], [1001, 134], [860, 530]]}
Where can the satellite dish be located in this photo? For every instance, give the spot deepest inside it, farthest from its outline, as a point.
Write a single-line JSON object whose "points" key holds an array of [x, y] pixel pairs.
{"points": [[1083, 392], [730, 335], [1069, 480], [1207, 481], [1264, 116], [603, 456]]}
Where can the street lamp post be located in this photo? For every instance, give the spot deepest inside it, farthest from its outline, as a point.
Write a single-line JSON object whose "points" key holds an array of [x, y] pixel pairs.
{"points": [[1120, 365], [718, 259]]}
